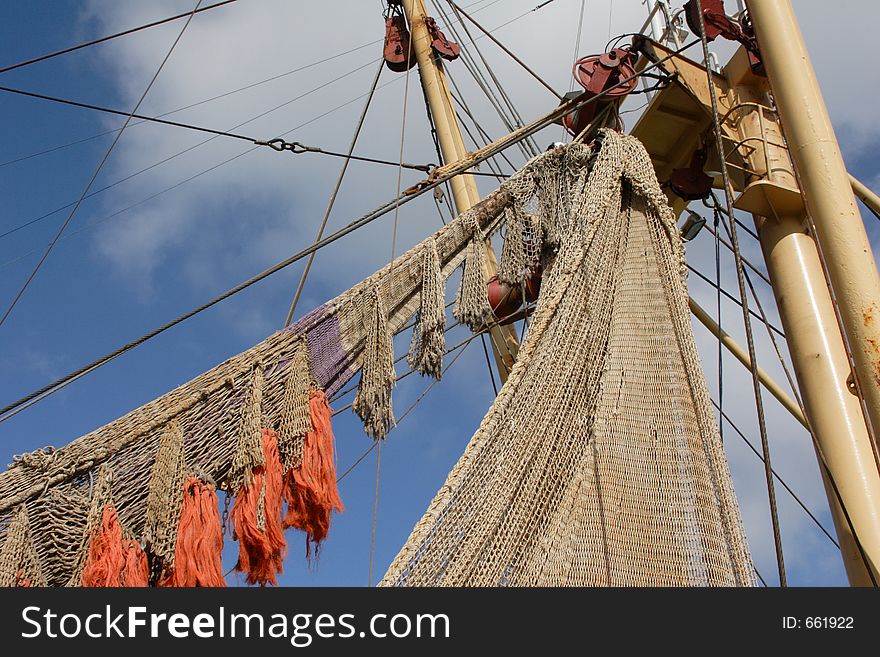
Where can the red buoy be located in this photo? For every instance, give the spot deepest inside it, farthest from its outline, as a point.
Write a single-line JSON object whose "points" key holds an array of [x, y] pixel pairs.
{"points": [[504, 299]]}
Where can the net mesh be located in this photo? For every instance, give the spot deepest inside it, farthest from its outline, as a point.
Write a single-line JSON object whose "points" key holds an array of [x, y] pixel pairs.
{"points": [[599, 462]]}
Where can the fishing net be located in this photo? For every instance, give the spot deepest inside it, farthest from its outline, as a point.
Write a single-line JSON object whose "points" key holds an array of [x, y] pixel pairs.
{"points": [[598, 464]]}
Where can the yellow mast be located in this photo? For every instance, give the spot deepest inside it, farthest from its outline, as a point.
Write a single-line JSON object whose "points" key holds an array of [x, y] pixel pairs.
{"points": [[464, 188], [806, 309]]}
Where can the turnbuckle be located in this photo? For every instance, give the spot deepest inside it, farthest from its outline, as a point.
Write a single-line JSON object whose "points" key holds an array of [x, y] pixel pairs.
{"points": [[278, 144]]}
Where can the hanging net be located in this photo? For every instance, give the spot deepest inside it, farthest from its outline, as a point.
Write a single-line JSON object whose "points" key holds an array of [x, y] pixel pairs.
{"points": [[598, 464]]}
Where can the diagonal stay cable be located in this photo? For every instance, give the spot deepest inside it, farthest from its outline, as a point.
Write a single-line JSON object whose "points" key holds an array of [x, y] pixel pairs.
{"points": [[732, 298], [99, 167], [129, 115], [513, 121], [763, 317], [462, 348], [459, 10], [94, 42], [776, 474], [273, 143], [332, 201], [180, 183], [197, 103], [438, 178], [746, 262]]}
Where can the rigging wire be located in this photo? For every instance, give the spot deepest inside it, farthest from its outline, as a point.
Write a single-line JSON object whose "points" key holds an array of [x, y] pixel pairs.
{"points": [[276, 144], [746, 262], [458, 99], [202, 143], [720, 290], [225, 94], [577, 41], [757, 453], [375, 512], [195, 104], [98, 169], [95, 223], [258, 116], [50, 55], [823, 464], [332, 201], [494, 168], [425, 186], [760, 577], [577, 47], [723, 210], [782, 362], [107, 110], [409, 55], [505, 49], [716, 219], [484, 86], [472, 68], [756, 384], [489, 365]]}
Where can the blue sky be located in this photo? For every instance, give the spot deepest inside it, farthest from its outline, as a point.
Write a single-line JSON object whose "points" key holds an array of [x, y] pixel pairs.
{"points": [[115, 277]]}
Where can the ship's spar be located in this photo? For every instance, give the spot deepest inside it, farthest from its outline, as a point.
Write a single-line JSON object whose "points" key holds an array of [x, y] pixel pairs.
{"points": [[771, 159]]}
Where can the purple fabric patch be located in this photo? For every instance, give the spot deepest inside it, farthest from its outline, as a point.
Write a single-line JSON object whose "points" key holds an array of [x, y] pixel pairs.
{"points": [[330, 363]]}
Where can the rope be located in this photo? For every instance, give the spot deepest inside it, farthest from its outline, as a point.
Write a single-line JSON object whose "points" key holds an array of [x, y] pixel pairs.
{"points": [[332, 201], [756, 384], [409, 54], [50, 55], [440, 175], [98, 169], [458, 98]]}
